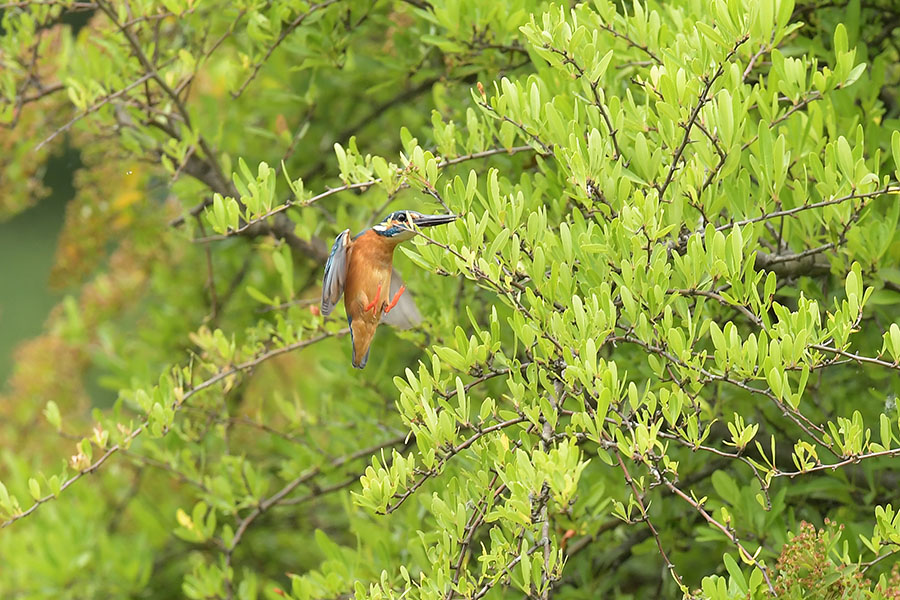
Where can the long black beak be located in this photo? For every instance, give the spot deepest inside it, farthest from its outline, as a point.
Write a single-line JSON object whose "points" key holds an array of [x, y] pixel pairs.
{"points": [[431, 220]]}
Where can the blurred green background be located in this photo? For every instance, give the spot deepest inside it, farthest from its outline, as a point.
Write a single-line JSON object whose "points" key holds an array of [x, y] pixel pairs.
{"points": [[27, 246]]}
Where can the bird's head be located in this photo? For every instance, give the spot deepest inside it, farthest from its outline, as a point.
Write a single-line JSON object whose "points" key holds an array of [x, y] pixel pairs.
{"points": [[399, 226]]}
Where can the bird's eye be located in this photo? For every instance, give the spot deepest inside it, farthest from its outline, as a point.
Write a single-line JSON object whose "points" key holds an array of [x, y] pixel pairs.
{"points": [[402, 217]]}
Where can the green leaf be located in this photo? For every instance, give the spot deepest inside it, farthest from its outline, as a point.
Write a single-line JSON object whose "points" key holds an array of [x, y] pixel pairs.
{"points": [[894, 334], [259, 296], [840, 40], [34, 488], [452, 358], [854, 75], [737, 576], [5, 500], [845, 157], [887, 436], [598, 67], [51, 412], [895, 151]]}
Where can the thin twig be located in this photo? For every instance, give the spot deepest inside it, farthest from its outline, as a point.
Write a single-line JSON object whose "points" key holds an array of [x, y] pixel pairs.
{"points": [[642, 47], [304, 477], [284, 33], [893, 188], [595, 85], [745, 555], [401, 498], [701, 102]]}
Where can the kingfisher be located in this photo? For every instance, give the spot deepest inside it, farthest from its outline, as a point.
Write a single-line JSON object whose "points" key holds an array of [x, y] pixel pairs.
{"points": [[362, 270]]}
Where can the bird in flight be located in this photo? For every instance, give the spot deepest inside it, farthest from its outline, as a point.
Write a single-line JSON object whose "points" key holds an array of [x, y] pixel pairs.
{"points": [[362, 270]]}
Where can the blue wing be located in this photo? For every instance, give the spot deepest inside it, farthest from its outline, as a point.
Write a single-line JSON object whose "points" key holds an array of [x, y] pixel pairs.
{"points": [[335, 272]]}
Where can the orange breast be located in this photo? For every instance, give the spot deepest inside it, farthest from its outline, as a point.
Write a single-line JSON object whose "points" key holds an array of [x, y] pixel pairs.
{"points": [[369, 268], [368, 278]]}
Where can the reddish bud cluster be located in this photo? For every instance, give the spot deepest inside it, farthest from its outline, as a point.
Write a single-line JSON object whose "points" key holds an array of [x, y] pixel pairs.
{"points": [[805, 569]]}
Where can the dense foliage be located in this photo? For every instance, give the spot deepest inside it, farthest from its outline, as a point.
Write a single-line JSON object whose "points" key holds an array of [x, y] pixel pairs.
{"points": [[661, 349]]}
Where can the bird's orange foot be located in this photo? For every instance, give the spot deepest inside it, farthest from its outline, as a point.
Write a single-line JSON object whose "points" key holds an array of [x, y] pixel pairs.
{"points": [[371, 305], [395, 299]]}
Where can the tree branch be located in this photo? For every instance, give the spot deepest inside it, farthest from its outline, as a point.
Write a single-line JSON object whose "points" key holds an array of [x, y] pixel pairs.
{"points": [[126, 442]]}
